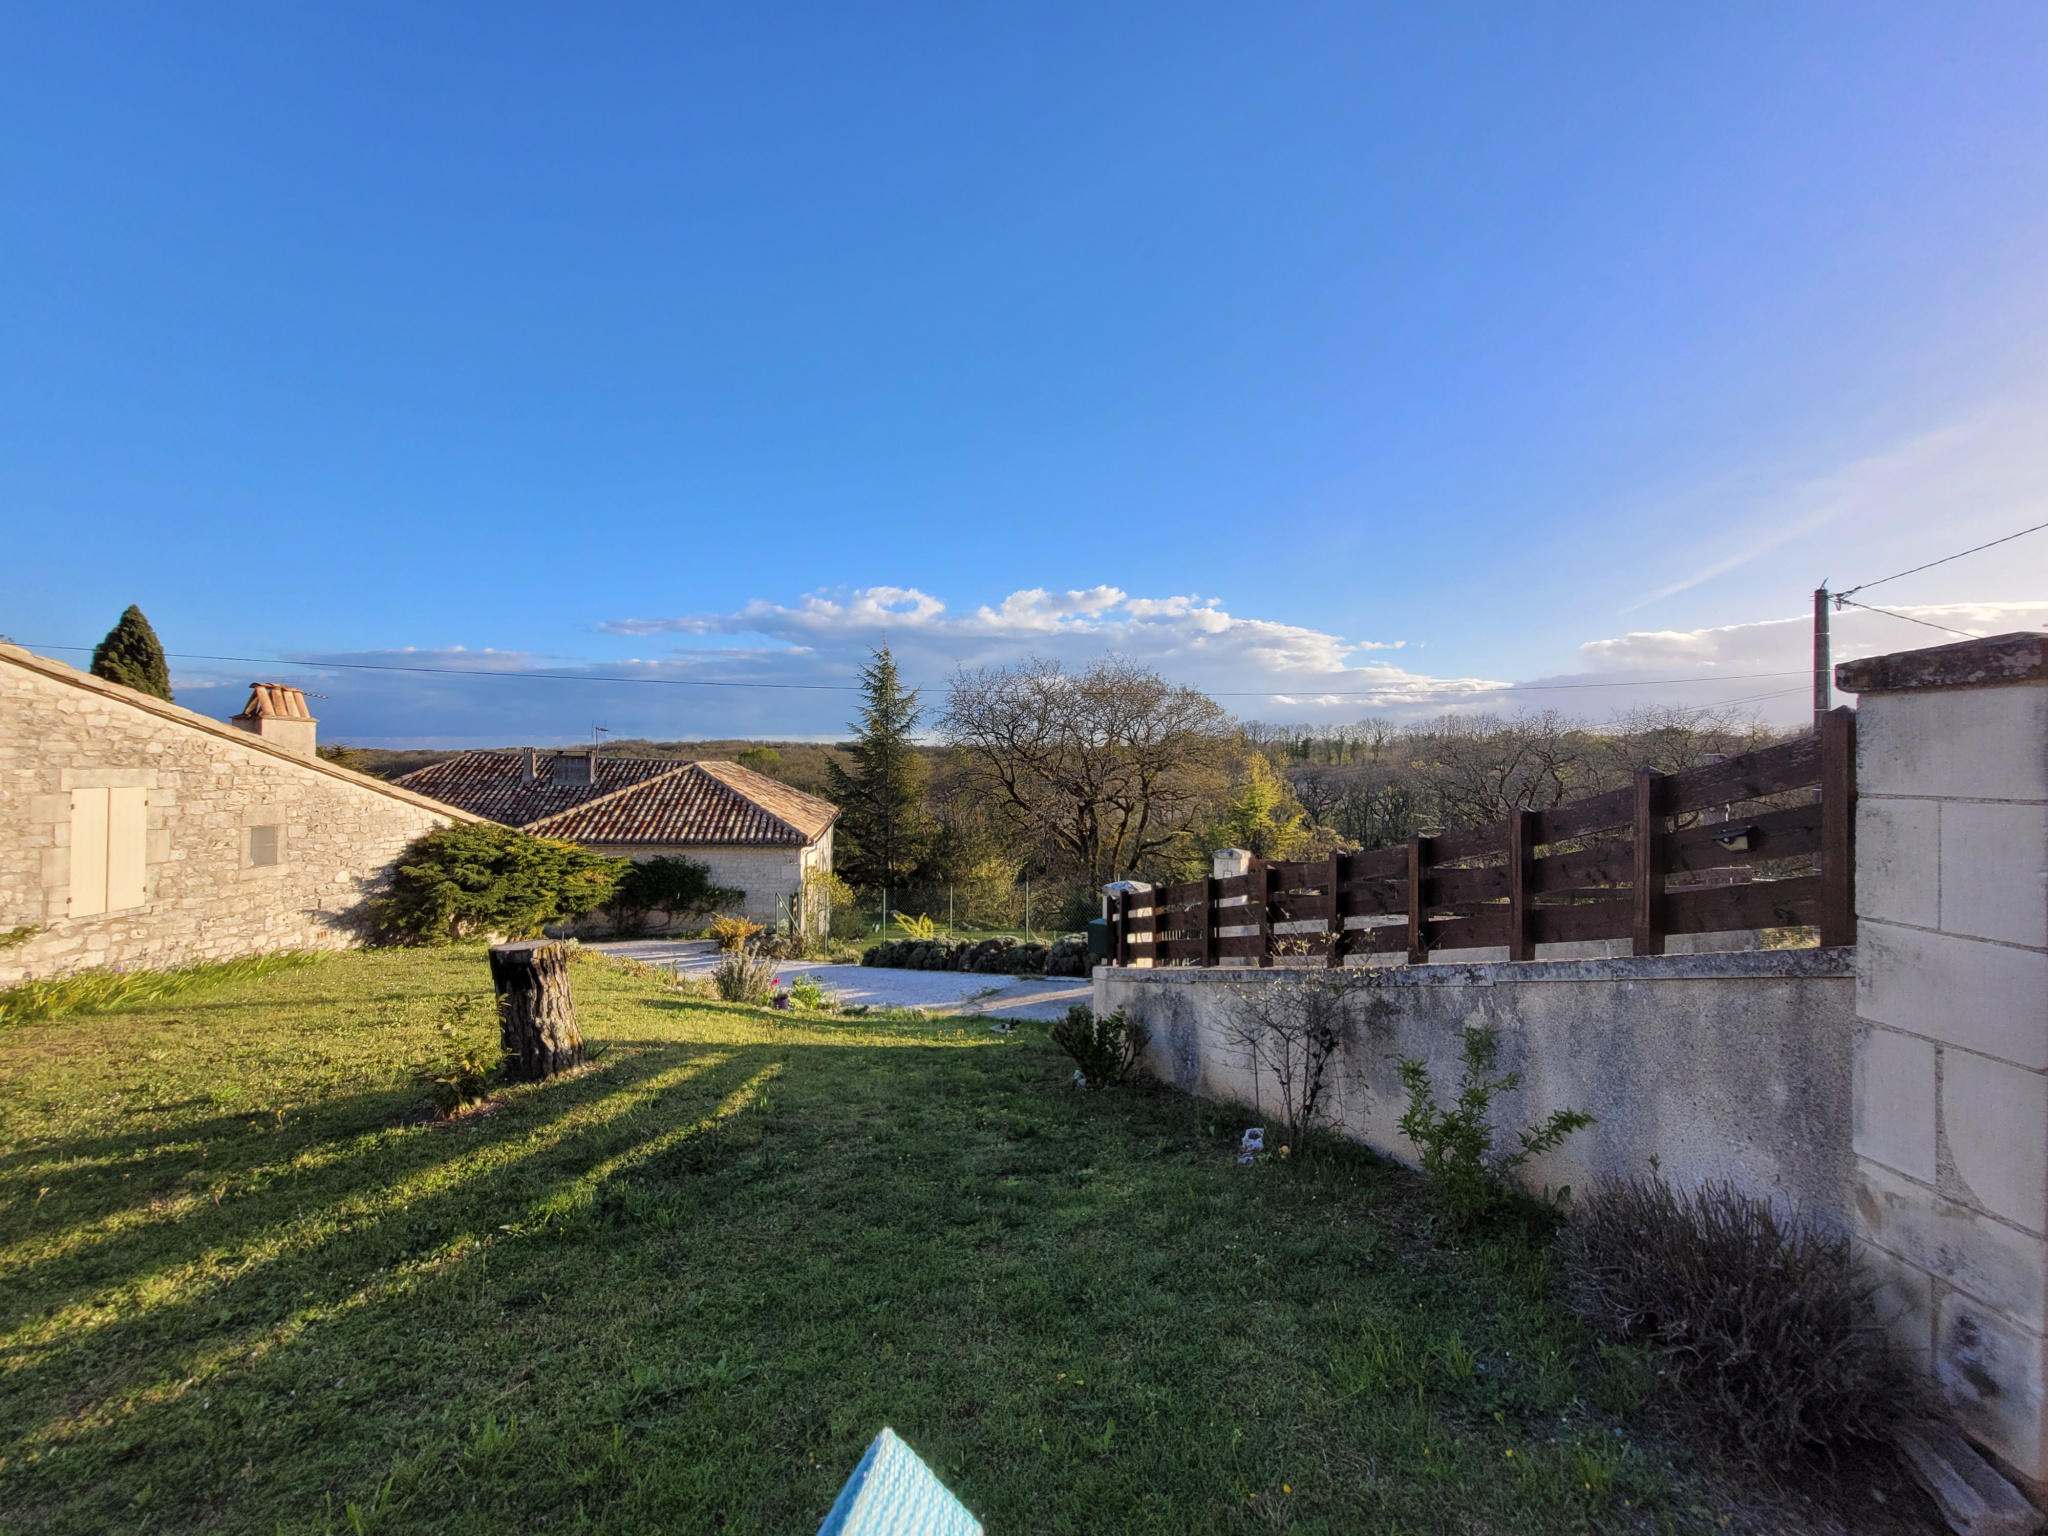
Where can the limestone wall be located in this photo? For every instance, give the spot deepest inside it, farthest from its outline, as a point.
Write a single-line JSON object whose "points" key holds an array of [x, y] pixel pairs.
{"points": [[207, 787], [1724, 1066], [1951, 1086], [768, 875]]}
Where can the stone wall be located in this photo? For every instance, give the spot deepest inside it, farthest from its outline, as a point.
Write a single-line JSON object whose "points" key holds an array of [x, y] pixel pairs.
{"points": [[769, 876], [207, 787], [1951, 1085], [1725, 1066]]}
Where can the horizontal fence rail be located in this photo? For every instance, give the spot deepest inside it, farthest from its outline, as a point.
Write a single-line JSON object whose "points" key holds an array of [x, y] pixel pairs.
{"points": [[1763, 840]]}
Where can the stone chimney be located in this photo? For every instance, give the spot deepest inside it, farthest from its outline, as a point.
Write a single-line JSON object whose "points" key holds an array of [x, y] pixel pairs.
{"points": [[530, 771], [277, 712], [574, 768]]}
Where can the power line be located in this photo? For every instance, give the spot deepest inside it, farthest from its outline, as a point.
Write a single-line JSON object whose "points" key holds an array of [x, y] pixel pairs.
{"points": [[1432, 697], [1843, 602], [1930, 565], [1481, 693], [552, 677], [697, 682]]}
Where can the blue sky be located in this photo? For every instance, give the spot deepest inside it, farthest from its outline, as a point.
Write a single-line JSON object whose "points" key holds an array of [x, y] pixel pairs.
{"points": [[1334, 358]]}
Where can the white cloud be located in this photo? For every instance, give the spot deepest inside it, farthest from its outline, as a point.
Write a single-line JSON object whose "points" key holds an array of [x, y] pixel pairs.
{"points": [[1190, 636], [1962, 482], [803, 681], [1768, 665]]}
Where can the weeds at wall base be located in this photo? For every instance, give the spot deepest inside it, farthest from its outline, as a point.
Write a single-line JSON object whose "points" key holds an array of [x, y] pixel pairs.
{"points": [[107, 991]]}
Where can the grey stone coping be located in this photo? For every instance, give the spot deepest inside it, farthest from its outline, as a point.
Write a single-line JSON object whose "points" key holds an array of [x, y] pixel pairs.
{"points": [[1717, 965], [2015, 658]]}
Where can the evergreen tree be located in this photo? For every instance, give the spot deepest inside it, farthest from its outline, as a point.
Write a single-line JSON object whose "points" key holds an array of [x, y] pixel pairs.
{"points": [[132, 656], [883, 829]]}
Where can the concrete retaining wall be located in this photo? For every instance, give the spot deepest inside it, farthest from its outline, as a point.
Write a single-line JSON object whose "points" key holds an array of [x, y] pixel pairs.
{"points": [[1725, 1066]]}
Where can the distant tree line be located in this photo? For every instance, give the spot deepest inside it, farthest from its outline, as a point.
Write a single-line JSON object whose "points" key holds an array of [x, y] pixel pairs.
{"points": [[1073, 778]]}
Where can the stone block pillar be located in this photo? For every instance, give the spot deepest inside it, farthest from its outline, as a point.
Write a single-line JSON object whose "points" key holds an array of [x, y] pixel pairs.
{"points": [[1951, 1060]]}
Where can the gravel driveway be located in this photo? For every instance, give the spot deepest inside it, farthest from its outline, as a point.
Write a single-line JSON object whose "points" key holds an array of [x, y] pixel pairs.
{"points": [[999, 997]]}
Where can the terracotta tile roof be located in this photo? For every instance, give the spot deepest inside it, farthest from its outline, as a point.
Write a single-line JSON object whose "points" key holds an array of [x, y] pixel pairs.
{"points": [[662, 802], [493, 784]]}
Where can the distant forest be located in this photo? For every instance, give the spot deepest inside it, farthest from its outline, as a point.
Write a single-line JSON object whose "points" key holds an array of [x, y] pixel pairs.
{"points": [[1022, 794]]}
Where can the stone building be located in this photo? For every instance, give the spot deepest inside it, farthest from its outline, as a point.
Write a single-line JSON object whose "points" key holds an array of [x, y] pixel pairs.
{"points": [[137, 834], [755, 834]]}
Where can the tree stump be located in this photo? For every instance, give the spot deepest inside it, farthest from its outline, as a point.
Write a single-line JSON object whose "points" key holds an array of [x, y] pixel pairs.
{"points": [[536, 1014]]}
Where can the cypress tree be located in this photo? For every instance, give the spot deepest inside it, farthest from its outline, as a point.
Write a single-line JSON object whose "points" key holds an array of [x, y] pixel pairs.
{"points": [[882, 830], [132, 656]]}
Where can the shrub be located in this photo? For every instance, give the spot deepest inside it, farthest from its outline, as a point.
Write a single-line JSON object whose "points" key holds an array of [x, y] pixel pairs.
{"points": [[464, 880], [1765, 1322], [805, 992], [744, 977], [463, 1077], [1104, 1047], [916, 927], [673, 887], [1291, 1031], [732, 933], [1068, 957], [1464, 1171]]}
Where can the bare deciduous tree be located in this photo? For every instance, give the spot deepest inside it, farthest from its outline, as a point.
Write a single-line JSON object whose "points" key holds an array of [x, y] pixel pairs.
{"points": [[1108, 765]]}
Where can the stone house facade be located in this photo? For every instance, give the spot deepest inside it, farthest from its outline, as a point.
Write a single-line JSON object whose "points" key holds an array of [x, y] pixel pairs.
{"points": [[754, 833], [137, 834]]}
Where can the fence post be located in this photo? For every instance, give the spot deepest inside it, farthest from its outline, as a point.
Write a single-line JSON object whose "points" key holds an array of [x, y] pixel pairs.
{"points": [[1521, 885], [1259, 887], [1335, 879], [1418, 864], [1648, 873], [1211, 894], [1838, 826], [1123, 928]]}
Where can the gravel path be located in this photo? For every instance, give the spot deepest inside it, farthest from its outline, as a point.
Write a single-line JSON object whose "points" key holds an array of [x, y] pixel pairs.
{"points": [[999, 997]]}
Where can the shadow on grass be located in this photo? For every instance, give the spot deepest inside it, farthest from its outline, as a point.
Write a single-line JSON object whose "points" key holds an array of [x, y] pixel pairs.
{"points": [[681, 1291], [147, 1294]]}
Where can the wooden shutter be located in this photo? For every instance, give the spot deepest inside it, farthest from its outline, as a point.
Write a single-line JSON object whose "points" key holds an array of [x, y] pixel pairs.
{"points": [[127, 843], [88, 852]]}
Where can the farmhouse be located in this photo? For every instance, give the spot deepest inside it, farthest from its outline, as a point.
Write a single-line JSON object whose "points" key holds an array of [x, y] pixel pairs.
{"points": [[134, 833], [754, 833]]}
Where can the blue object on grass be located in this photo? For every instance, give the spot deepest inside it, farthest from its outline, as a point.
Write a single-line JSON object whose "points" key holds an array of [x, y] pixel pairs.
{"points": [[892, 1493]]}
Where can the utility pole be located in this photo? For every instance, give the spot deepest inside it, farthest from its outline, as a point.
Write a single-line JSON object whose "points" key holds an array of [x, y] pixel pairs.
{"points": [[1823, 671]]}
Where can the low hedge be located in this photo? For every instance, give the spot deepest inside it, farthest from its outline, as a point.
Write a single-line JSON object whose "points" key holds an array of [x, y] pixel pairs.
{"points": [[989, 957]]}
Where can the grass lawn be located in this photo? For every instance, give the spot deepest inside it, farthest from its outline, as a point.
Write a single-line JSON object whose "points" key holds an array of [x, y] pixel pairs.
{"points": [[682, 1289]]}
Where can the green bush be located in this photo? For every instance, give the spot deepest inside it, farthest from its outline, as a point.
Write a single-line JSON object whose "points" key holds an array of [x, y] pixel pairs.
{"points": [[465, 880], [673, 887], [1464, 1171], [744, 976], [1764, 1323], [1104, 1047]]}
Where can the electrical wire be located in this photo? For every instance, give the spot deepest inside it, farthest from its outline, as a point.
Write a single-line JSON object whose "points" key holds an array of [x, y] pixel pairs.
{"points": [[1930, 565], [552, 677], [1843, 602], [696, 682]]}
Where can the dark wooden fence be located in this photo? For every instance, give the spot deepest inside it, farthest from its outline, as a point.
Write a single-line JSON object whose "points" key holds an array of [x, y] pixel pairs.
{"points": [[1764, 840]]}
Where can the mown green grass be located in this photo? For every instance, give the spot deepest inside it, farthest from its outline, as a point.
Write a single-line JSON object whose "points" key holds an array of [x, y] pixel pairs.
{"points": [[681, 1290]]}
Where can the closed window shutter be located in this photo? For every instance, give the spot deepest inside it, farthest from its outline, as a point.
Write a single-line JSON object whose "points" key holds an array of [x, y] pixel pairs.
{"points": [[88, 852], [127, 840]]}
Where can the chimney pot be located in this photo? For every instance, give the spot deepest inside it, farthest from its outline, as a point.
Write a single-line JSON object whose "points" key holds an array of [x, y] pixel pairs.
{"points": [[277, 712]]}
